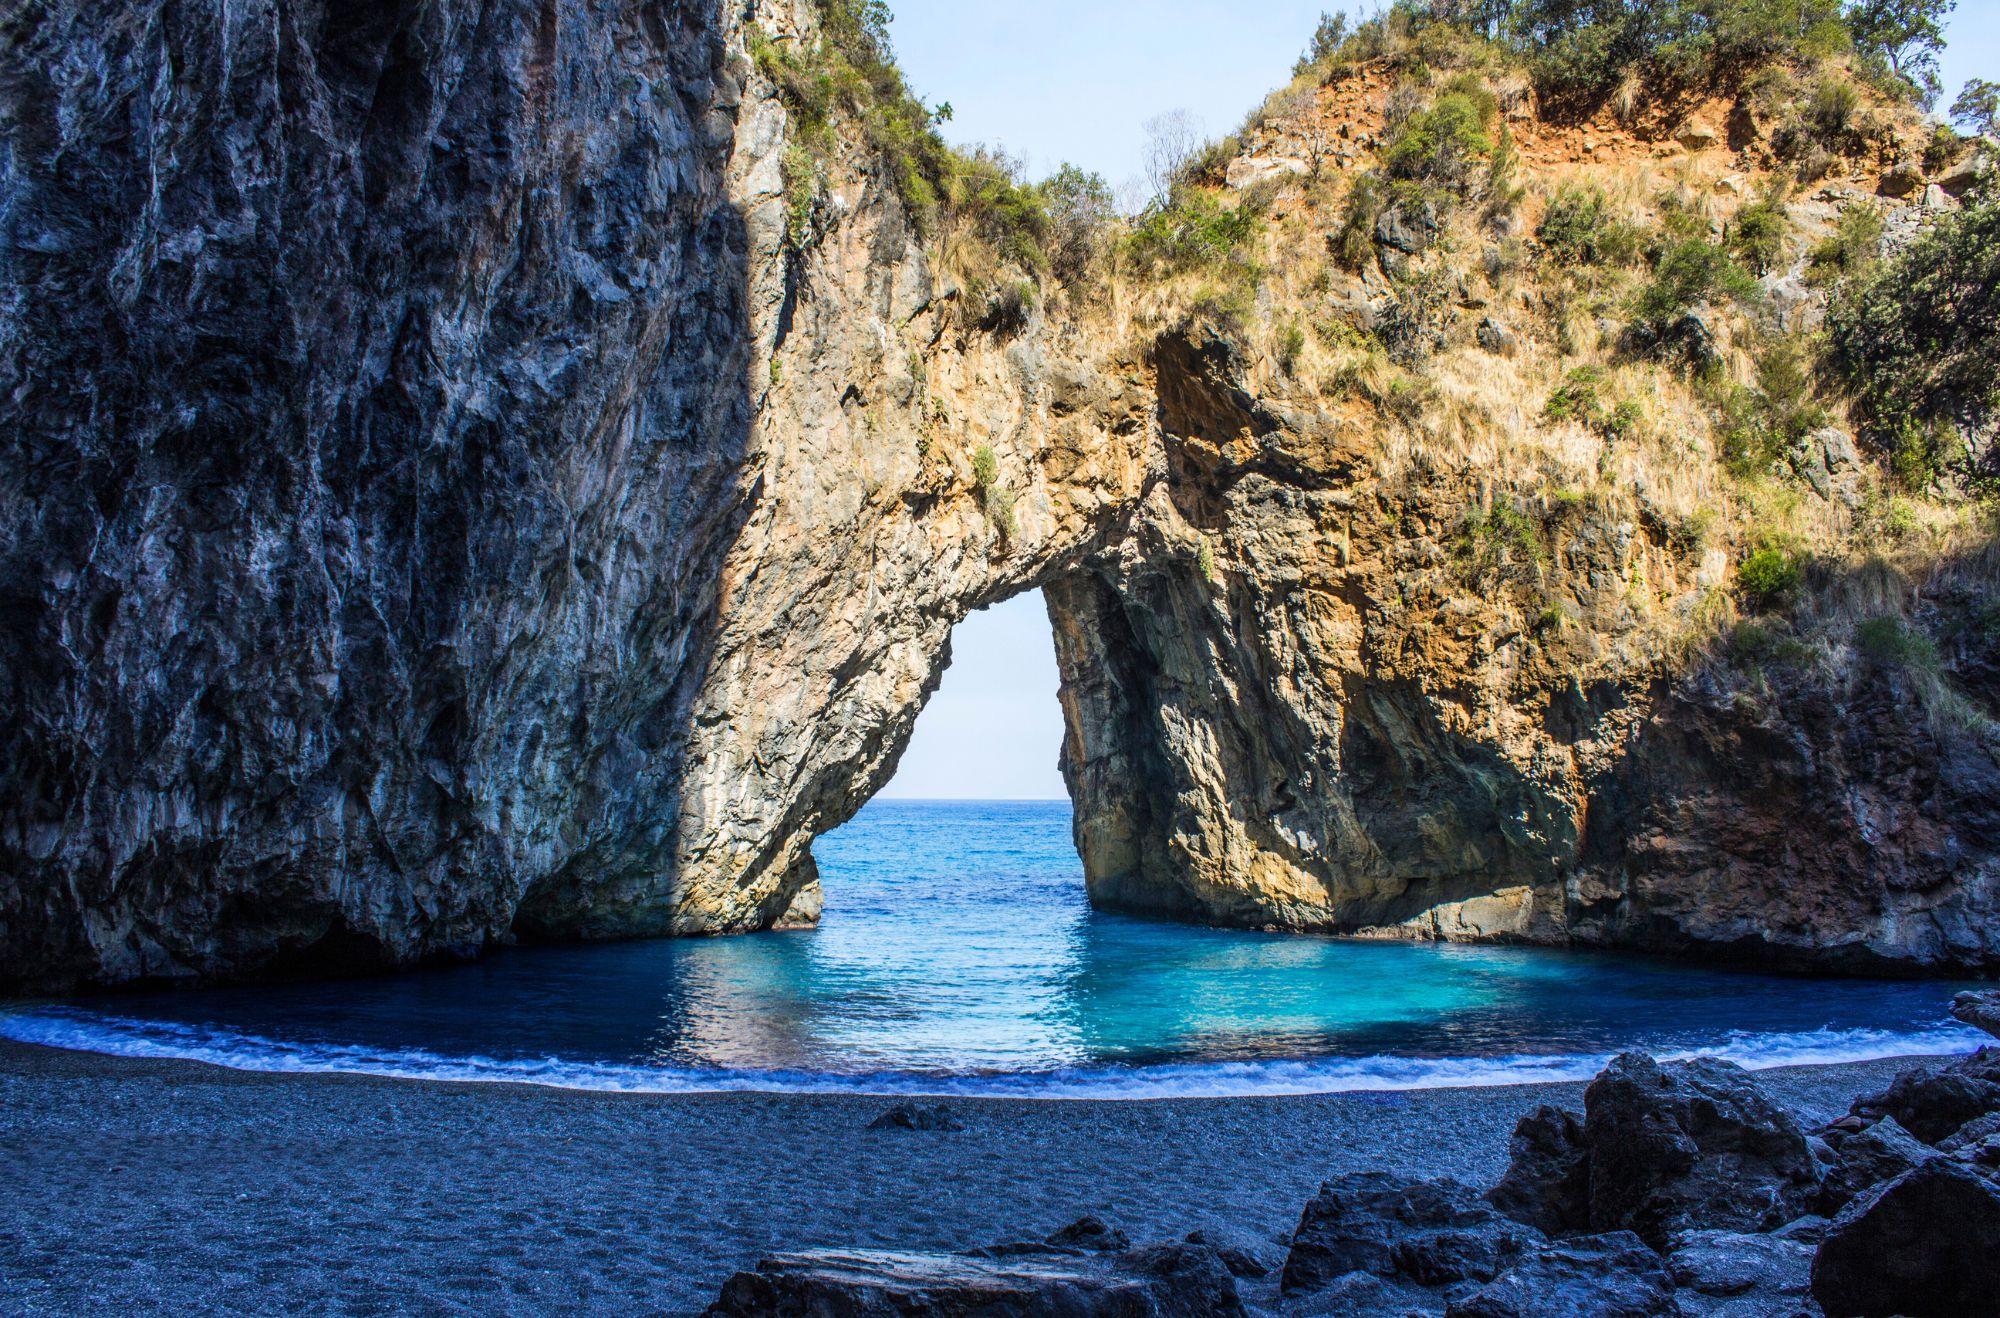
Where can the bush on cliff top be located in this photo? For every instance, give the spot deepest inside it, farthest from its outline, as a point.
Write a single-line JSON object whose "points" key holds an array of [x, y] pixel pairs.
{"points": [[849, 73], [1579, 51]]}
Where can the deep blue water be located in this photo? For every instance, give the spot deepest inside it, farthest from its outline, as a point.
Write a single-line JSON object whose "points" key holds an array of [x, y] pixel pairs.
{"points": [[957, 954]]}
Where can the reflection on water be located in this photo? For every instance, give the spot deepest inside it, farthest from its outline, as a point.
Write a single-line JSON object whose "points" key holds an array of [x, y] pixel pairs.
{"points": [[957, 940]]}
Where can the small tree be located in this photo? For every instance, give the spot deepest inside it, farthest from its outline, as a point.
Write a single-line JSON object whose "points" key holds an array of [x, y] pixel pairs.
{"points": [[1173, 140], [1327, 38], [1080, 210], [1977, 109], [1905, 36]]}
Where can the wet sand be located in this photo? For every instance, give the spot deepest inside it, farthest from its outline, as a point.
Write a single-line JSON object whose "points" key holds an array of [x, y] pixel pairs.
{"points": [[136, 1186]]}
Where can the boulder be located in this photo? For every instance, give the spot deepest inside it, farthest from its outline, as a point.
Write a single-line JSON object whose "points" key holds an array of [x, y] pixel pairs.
{"points": [[1865, 1160], [1924, 1245], [1169, 1281], [1698, 137], [1932, 1104], [1982, 1155], [1690, 1145], [1965, 175], [1980, 1008], [1086, 1235], [1410, 229], [1547, 1182], [1972, 1132], [1901, 179], [1607, 1276], [1249, 171], [1495, 337], [915, 1116], [1751, 1273], [1243, 1257], [1432, 1233]]}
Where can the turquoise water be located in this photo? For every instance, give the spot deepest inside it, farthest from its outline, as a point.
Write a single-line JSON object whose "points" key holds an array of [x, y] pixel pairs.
{"points": [[957, 955]]}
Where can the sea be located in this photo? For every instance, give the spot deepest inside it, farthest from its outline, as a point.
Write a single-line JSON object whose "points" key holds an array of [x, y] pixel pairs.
{"points": [[959, 956]]}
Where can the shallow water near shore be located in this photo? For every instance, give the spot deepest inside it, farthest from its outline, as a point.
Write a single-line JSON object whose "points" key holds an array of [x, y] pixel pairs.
{"points": [[958, 956]]}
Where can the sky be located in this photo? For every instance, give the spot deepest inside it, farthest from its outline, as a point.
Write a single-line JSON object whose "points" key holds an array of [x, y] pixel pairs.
{"points": [[1077, 81]]}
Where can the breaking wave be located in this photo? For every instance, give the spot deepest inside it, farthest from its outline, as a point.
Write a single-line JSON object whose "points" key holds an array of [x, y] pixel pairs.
{"points": [[84, 1031]]}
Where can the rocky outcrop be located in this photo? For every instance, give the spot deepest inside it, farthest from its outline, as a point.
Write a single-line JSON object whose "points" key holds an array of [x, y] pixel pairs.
{"points": [[1171, 1281], [455, 494], [1661, 1149], [1429, 1233], [1981, 1009], [1708, 1180]]}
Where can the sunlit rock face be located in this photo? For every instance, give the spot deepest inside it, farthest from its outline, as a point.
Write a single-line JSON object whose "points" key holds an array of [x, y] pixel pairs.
{"points": [[1284, 710], [443, 504]]}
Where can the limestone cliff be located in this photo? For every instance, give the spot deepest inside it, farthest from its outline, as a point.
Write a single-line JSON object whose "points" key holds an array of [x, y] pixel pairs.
{"points": [[461, 485]]}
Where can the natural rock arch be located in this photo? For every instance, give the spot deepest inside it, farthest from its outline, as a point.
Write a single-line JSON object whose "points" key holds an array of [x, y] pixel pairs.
{"points": [[447, 504]]}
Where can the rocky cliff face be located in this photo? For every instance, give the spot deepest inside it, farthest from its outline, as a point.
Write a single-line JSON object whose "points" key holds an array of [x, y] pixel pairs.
{"points": [[447, 500]]}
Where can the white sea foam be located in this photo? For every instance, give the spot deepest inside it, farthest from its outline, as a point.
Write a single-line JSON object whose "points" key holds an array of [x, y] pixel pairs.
{"points": [[86, 1031]]}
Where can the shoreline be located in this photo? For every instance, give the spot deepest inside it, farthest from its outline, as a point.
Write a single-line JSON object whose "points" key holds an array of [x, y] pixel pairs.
{"points": [[144, 1185]]}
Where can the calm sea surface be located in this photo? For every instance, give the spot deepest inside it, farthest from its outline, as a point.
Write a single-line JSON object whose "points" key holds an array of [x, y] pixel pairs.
{"points": [[958, 955]]}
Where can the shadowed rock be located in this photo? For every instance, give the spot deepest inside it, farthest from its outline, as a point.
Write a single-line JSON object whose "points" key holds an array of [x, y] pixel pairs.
{"points": [[1742, 1276], [1167, 1281], [1925, 1246], [1661, 1149], [1865, 1159], [1429, 1232], [1607, 1276], [1547, 1182], [916, 1116], [1932, 1104], [1980, 1008]]}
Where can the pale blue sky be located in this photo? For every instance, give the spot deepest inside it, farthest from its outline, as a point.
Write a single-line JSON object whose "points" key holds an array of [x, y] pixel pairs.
{"points": [[1077, 81]]}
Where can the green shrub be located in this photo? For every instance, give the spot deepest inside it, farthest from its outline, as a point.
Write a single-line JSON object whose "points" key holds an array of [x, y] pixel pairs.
{"points": [[1353, 242], [1579, 229], [1917, 340], [1830, 110], [1579, 49], [1769, 577], [1576, 398], [1758, 236], [1291, 345], [1766, 424], [1498, 543], [985, 467], [1852, 246], [1327, 39], [1193, 231], [1687, 273], [1891, 643], [1442, 144]]}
